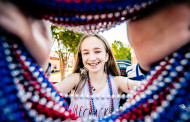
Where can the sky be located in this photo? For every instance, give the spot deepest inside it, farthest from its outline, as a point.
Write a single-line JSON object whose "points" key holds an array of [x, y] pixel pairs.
{"points": [[119, 33]]}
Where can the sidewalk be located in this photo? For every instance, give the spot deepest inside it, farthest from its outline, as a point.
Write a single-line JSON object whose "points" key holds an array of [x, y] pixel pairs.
{"points": [[56, 77]]}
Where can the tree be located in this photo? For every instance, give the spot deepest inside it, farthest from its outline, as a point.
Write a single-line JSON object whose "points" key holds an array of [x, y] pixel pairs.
{"points": [[120, 51], [67, 42]]}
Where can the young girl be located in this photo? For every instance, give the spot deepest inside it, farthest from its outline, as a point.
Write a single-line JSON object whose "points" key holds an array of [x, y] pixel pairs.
{"points": [[95, 73]]}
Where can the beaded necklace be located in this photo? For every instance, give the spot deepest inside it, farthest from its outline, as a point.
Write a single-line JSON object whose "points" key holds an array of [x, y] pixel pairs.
{"points": [[92, 106], [26, 94], [161, 93], [92, 16]]}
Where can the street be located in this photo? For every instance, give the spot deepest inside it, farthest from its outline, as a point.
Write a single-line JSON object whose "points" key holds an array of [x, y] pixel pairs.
{"points": [[56, 77]]}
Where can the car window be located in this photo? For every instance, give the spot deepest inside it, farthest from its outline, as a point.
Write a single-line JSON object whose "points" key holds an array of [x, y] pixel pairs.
{"points": [[122, 65]]}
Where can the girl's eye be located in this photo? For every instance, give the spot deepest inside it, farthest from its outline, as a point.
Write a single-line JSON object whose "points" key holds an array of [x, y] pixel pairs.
{"points": [[98, 52], [85, 53]]}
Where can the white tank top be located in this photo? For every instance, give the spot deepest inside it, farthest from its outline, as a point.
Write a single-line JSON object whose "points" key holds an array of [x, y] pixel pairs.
{"points": [[81, 107]]}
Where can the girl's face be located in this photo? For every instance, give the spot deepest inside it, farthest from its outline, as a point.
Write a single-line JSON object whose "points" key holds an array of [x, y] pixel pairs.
{"points": [[94, 54]]}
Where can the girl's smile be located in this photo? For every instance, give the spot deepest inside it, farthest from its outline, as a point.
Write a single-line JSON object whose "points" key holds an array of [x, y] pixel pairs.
{"points": [[93, 64]]}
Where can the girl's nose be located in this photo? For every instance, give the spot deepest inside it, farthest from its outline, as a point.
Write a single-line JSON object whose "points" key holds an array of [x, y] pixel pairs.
{"points": [[92, 56]]}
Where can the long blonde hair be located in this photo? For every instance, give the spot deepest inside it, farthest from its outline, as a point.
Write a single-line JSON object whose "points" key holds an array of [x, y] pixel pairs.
{"points": [[112, 67]]}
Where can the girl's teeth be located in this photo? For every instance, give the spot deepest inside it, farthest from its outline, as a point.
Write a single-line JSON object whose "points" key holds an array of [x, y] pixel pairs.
{"points": [[94, 64]]}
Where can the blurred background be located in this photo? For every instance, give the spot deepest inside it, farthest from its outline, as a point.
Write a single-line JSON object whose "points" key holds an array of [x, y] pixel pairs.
{"points": [[63, 51]]}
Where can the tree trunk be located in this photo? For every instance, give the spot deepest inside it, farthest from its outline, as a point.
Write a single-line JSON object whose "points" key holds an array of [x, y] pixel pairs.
{"points": [[63, 66], [64, 69], [75, 57]]}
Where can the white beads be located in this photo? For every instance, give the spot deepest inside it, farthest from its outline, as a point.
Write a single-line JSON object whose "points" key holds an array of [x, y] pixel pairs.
{"points": [[9, 59], [28, 105], [44, 85], [40, 79], [179, 68], [7, 51], [23, 58], [82, 96], [5, 45], [169, 97], [184, 116], [56, 107], [148, 119], [173, 74], [14, 73], [35, 98], [43, 101], [187, 55], [165, 103], [168, 80], [31, 69], [32, 113], [154, 115], [36, 74], [61, 110], [49, 104], [160, 109], [27, 63], [12, 66], [184, 62], [162, 63]]}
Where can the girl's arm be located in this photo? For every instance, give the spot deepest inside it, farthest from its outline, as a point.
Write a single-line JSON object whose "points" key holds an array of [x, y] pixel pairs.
{"points": [[68, 83], [124, 84]]}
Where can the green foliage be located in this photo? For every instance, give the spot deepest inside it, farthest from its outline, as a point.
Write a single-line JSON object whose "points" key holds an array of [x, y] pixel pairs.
{"points": [[67, 42], [120, 51], [67, 39]]}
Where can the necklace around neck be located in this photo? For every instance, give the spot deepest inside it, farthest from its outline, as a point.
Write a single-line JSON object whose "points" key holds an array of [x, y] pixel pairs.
{"points": [[92, 105]]}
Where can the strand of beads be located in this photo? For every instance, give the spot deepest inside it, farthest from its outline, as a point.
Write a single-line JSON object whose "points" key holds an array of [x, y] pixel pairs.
{"points": [[10, 106], [83, 96], [100, 21], [163, 91], [92, 106], [167, 82], [111, 93], [37, 97], [89, 17]]}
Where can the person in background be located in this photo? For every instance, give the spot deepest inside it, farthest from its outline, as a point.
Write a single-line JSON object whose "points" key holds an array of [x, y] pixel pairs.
{"points": [[134, 72]]}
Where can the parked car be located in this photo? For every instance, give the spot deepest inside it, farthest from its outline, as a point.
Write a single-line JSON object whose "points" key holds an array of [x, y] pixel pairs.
{"points": [[126, 61], [123, 64]]}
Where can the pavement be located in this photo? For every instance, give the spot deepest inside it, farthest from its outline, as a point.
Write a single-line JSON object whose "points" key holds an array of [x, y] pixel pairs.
{"points": [[56, 77]]}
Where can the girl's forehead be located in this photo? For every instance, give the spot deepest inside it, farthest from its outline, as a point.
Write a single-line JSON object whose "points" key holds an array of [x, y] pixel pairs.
{"points": [[92, 42]]}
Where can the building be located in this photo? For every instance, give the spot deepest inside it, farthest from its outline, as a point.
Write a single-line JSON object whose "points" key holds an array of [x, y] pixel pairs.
{"points": [[133, 57]]}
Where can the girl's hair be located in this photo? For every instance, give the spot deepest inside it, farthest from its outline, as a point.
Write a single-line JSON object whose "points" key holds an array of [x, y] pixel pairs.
{"points": [[112, 67]]}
